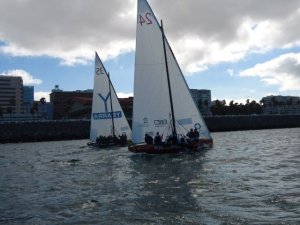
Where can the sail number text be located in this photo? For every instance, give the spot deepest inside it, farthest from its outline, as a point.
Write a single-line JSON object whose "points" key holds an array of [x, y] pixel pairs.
{"points": [[146, 19], [99, 70]]}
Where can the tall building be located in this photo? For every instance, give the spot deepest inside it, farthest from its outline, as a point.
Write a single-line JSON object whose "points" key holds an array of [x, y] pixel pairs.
{"points": [[11, 94], [281, 104], [28, 98], [202, 98]]}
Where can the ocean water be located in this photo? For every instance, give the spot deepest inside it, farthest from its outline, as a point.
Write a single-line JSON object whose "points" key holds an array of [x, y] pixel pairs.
{"points": [[249, 177]]}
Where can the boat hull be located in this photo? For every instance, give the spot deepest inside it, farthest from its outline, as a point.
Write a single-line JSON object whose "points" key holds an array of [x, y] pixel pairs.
{"points": [[98, 145], [174, 148]]}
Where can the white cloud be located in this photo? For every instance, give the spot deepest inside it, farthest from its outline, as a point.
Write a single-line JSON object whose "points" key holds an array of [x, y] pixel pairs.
{"points": [[283, 71], [71, 30], [230, 72], [41, 94], [124, 95], [27, 78], [204, 33]]}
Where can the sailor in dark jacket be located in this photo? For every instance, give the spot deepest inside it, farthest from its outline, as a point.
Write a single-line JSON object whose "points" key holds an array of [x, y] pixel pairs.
{"points": [[148, 139]]}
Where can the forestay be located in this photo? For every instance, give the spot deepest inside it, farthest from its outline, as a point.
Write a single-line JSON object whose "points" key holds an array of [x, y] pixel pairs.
{"points": [[151, 109], [102, 112]]}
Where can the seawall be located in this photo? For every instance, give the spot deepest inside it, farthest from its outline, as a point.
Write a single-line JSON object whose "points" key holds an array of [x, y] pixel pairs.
{"points": [[68, 130], [253, 122], [43, 131]]}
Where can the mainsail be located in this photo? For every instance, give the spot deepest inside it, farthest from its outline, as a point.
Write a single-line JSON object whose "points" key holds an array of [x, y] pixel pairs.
{"points": [[151, 107], [107, 115]]}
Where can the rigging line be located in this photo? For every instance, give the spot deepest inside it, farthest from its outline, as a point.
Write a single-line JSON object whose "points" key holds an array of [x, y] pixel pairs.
{"points": [[111, 106], [168, 132], [182, 126], [166, 128], [168, 79]]}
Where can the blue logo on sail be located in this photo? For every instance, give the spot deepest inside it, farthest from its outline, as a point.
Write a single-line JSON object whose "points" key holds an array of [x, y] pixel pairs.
{"points": [[106, 115]]}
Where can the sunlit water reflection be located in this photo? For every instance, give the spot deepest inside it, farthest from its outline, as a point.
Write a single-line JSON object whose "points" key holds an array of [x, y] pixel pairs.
{"points": [[249, 177]]}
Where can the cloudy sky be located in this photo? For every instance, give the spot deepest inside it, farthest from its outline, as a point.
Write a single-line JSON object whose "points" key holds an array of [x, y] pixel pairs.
{"points": [[237, 49]]}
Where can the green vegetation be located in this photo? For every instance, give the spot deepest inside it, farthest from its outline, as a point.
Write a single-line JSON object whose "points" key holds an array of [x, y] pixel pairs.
{"points": [[234, 108]]}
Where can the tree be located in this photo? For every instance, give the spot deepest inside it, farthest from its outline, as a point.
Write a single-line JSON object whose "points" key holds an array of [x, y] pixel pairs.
{"points": [[42, 103], [231, 109], [34, 109], [219, 108], [32, 112]]}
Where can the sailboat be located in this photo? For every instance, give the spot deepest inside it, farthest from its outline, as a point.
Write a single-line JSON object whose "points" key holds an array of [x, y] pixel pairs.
{"points": [[108, 123], [162, 103]]}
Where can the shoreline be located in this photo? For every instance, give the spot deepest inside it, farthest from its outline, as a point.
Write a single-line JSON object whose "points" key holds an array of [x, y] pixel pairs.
{"points": [[35, 131]]}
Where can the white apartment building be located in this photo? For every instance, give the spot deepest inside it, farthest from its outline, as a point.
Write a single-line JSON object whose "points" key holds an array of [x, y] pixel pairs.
{"points": [[281, 104], [202, 99]]}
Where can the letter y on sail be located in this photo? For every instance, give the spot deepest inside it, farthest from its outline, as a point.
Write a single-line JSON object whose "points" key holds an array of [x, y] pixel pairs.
{"points": [[107, 115]]}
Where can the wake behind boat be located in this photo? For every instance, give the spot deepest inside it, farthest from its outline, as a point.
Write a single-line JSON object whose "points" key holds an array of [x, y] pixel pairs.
{"points": [[165, 116], [109, 126]]}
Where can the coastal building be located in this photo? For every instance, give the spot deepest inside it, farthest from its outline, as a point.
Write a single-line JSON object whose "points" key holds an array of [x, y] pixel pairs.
{"points": [[281, 104], [81, 108], [44, 110], [28, 98], [202, 99], [78, 104], [63, 102], [11, 95], [127, 105]]}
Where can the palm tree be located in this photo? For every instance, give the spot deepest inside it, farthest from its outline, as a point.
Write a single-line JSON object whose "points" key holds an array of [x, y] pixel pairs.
{"points": [[32, 112], [34, 109], [231, 107]]}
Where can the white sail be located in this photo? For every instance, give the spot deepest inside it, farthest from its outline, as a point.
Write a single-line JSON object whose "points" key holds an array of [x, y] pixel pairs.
{"points": [[151, 108], [102, 110]]}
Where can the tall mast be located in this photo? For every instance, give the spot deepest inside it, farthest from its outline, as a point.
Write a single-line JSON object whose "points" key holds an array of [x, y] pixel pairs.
{"points": [[168, 78], [111, 107]]}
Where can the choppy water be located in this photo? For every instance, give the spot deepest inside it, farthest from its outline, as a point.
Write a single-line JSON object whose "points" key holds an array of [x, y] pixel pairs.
{"points": [[249, 177]]}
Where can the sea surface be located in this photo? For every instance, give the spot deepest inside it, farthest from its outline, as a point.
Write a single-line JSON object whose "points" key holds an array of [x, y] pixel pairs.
{"points": [[249, 177]]}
